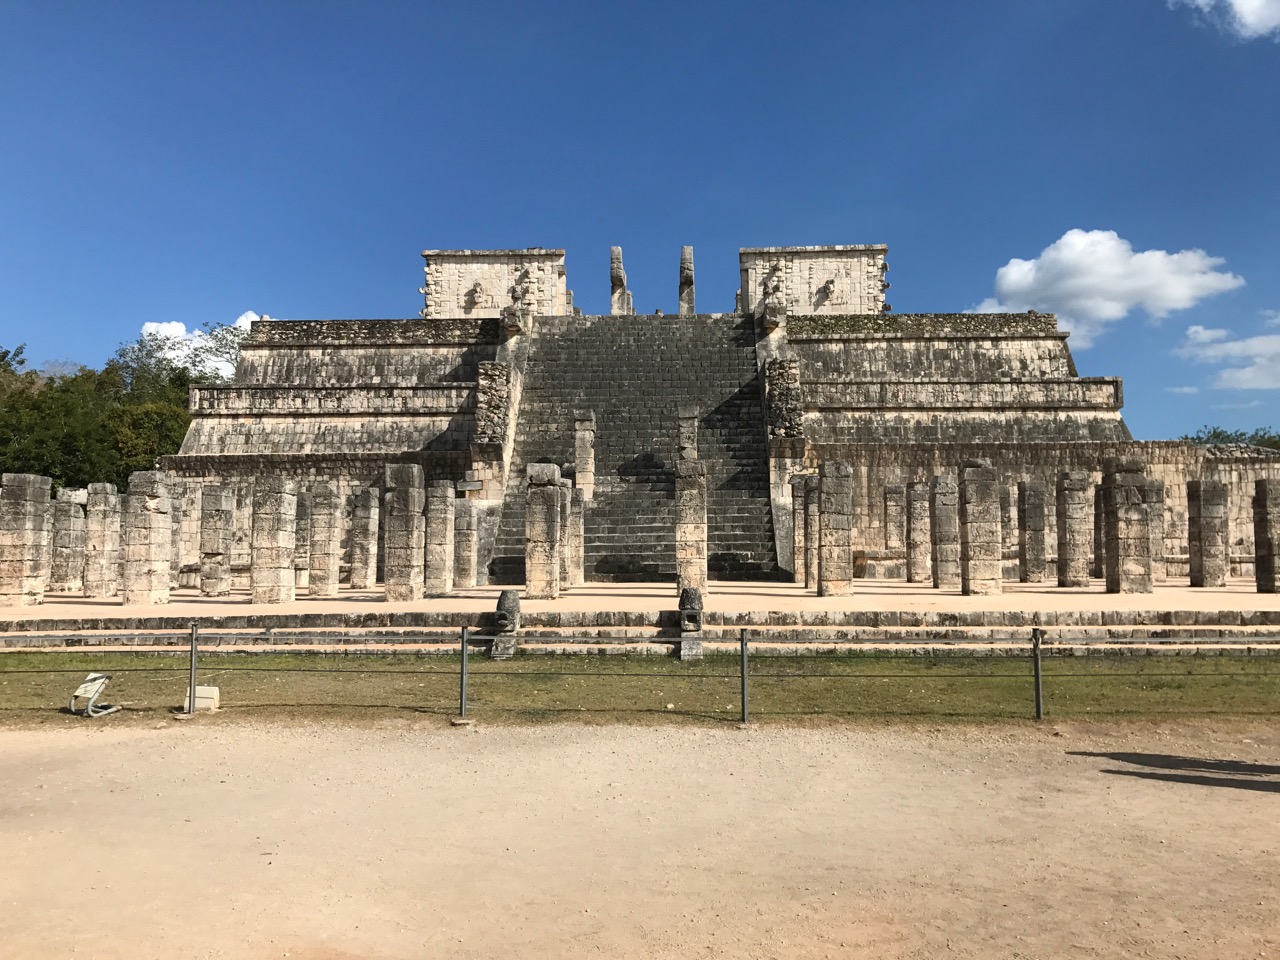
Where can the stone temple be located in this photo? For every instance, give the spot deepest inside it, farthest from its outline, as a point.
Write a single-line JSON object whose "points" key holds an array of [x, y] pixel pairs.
{"points": [[692, 443]]}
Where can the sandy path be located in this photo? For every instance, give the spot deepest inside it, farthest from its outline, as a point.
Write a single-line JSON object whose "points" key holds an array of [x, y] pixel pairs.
{"points": [[413, 840]]}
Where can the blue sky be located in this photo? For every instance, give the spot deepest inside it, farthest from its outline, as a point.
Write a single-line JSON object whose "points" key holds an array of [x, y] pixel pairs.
{"points": [[176, 162]]}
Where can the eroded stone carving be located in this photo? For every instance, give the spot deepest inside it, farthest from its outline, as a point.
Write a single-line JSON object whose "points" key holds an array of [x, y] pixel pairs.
{"points": [[687, 307], [493, 399], [782, 393], [620, 303]]}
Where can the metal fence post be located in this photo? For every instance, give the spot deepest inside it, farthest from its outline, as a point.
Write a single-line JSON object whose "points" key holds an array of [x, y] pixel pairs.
{"points": [[1037, 635], [462, 676], [191, 687], [742, 670]]}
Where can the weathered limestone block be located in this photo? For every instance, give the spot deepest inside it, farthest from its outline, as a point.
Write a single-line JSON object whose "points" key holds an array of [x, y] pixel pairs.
{"points": [[437, 577], [566, 507], [687, 306], [1266, 535], [691, 524], [835, 535], [185, 562], [782, 397], [944, 531], [102, 541], [584, 452], [325, 534], [620, 302], [26, 521], [1207, 535], [302, 540], [1128, 544], [576, 540], [895, 518], [1099, 570], [981, 546], [1031, 525], [542, 532], [466, 543], [797, 527], [493, 401], [919, 540], [812, 532], [405, 540], [272, 573], [1153, 497], [147, 538], [363, 537], [217, 516], [66, 562], [1075, 530]]}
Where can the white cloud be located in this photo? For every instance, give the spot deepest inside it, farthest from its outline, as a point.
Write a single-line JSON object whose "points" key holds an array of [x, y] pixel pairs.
{"points": [[1247, 19], [1186, 391], [183, 343], [1251, 363], [1093, 278], [1199, 334], [1271, 318]]}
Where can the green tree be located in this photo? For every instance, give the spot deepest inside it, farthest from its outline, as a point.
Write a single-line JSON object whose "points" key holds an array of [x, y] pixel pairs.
{"points": [[1261, 437]]}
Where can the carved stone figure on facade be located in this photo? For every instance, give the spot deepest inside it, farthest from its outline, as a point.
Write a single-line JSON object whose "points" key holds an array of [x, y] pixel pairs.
{"points": [[476, 297], [516, 316], [775, 302], [620, 301]]}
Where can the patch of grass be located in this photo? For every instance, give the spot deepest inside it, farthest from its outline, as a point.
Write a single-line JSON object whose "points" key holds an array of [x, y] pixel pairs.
{"points": [[34, 688]]}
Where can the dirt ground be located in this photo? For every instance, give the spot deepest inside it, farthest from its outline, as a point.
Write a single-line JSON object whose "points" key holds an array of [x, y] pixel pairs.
{"points": [[410, 839]]}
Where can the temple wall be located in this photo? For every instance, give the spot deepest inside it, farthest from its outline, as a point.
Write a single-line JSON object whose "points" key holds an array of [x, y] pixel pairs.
{"points": [[815, 280], [478, 283]]}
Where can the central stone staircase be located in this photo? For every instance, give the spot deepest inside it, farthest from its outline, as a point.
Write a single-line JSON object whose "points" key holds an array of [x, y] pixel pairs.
{"points": [[634, 373]]}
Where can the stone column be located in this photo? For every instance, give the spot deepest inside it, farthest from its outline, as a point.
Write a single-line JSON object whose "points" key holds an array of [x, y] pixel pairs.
{"points": [[944, 531], [895, 525], [364, 540], [1266, 535], [217, 516], [302, 540], [437, 574], [584, 452], [981, 546], [273, 570], [620, 301], [466, 543], [185, 562], [102, 541], [542, 532], [1128, 549], [919, 565], [1075, 532], [576, 540], [26, 521], [147, 535], [687, 307], [1099, 570], [835, 527], [797, 527], [1031, 524], [405, 537], [812, 532], [1207, 532], [691, 525], [566, 506], [1153, 497], [325, 534], [66, 561]]}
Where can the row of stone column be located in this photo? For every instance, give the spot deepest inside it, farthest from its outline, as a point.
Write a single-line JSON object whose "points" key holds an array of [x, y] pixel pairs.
{"points": [[555, 549], [953, 535]]}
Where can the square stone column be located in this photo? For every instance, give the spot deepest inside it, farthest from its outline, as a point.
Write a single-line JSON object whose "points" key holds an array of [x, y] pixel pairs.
{"points": [[273, 570], [405, 539], [944, 531], [895, 520], [1128, 545], [576, 540], [584, 452], [1031, 524], [217, 516], [66, 561], [566, 505], [302, 540], [1153, 497], [185, 562], [325, 535], [835, 532], [147, 535], [102, 541], [919, 540], [812, 532], [542, 532], [981, 543], [466, 543], [26, 527], [1207, 532], [1075, 528], [1099, 569], [691, 525], [1266, 535], [363, 537], [437, 574], [797, 527]]}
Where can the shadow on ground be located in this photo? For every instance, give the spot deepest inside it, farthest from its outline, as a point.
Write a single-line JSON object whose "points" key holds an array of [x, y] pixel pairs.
{"points": [[1238, 774]]}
